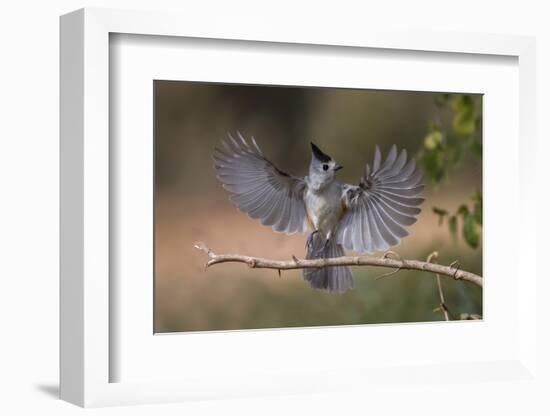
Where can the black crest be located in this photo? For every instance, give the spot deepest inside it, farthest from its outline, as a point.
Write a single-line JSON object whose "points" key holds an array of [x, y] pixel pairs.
{"points": [[319, 154]]}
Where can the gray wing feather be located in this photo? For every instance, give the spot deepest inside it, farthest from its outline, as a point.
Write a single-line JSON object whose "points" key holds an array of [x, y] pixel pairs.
{"points": [[258, 188], [383, 205]]}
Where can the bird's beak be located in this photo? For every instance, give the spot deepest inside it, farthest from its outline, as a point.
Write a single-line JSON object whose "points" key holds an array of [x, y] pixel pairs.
{"points": [[337, 167]]}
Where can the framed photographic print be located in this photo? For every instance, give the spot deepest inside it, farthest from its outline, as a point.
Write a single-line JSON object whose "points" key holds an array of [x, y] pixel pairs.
{"points": [[313, 214], [274, 212]]}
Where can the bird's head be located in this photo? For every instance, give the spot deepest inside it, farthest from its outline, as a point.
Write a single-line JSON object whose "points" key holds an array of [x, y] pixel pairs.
{"points": [[322, 166]]}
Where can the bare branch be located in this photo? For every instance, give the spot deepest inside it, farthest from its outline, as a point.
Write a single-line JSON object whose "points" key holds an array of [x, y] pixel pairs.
{"points": [[402, 264], [442, 305], [469, 316]]}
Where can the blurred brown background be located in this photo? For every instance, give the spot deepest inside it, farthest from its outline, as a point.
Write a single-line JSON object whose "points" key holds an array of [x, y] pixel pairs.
{"points": [[191, 205]]}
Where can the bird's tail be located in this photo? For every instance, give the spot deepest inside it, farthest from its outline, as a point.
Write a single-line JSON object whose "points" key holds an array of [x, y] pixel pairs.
{"points": [[334, 279]]}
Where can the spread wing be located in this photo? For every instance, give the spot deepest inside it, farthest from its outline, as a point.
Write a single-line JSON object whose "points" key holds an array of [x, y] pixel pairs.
{"points": [[258, 188], [383, 205]]}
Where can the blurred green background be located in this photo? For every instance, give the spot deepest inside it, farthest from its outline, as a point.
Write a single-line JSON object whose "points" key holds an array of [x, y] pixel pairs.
{"points": [[191, 205]]}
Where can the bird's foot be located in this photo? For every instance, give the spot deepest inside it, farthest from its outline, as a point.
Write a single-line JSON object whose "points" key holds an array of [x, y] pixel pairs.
{"points": [[309, 241]]}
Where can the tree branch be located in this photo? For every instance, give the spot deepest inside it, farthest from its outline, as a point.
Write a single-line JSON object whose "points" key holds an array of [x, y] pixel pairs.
{"points": [[260, 263], [442, 305]]}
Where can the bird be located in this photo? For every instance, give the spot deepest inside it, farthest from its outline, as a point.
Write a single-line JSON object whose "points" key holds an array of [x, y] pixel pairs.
{"points": [[366, 218]]}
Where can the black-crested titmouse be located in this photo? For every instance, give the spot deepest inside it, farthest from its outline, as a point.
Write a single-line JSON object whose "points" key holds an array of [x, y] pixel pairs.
{"points": [[369, 217]]}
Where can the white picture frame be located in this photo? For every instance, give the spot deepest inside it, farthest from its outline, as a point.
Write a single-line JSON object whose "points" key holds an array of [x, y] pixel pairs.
{"points": [[87, 356]]}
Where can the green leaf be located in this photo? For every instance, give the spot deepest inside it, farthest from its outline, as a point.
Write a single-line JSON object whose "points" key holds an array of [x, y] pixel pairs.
{"points": [[477, 148], [434, 164], [463, 210], [470, 231], [478, 213], [433, 140], [464, 122], [453, 226], [478, 207], [441, 212], [462, 103], [479, 122], [456, 154]]}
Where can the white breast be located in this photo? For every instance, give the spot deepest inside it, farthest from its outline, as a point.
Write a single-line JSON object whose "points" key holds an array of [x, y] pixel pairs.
{"points": [[324, 208]]}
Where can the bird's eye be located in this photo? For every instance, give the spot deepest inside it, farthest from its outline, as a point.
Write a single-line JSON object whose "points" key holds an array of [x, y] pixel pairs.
{"points": [[325, 167]]}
